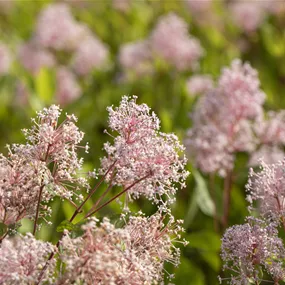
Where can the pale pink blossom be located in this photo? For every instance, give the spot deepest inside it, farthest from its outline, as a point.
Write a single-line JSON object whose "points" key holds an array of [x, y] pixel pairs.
{"points": [[22, 259], [136, 58], [134, 254], [248, 15], [67, 89], [57, 29], [271, 129], [142, 155], [270, 154], [33, 57], [48, 163], [199, 84], [223, 119], [91, 54], [182, 51]]}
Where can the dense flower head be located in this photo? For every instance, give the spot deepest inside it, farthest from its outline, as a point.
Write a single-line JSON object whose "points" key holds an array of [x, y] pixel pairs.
{"points": [[20, 181], [91, 54], [199, 84], [136, 58], [182, 51], [48, 162], [5, 59], [267, 186], [141, 157], [58, 144], [67, 90], [249, 247], [22, 259], [33, 57], [134, 254], [241, 86], [57, 29], [223, 119]]}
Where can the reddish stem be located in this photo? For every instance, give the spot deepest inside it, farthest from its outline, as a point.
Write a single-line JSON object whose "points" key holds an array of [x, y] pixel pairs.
{"points": [[214, 199], [118, 195], [40, 195], [78, 210], [227, 198]]}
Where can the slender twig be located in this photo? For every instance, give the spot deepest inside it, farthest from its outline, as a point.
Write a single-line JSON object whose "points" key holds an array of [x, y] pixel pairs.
{"points": [[38, 209], [116, 196], [40, 195], [78, 210], [102, 196], [227, 198]]}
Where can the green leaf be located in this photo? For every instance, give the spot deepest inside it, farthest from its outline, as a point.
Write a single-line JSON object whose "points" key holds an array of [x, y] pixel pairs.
{"points": [[208, 241], [204, 199], [43, 85], [186, 269], [3, 229], [65, 225], [192, 210]]}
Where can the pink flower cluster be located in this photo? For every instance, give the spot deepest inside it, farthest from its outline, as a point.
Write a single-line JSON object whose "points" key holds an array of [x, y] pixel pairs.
{"points": [[22, 258], [199, 84], [45, 167], [182, 52], [251, 247], [58, 32], [143, 160], [249, 15], [133, 255], [142, 155], [223, 119]]}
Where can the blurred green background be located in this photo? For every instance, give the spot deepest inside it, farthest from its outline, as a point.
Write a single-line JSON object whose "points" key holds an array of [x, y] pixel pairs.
{"points": [[164, 90]]}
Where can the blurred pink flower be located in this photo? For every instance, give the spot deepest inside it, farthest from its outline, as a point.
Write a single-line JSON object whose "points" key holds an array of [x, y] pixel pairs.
{"points": [[136, 58], [170, 41], [248, 15], [56, 28], [223, 119], [90, 54], [33, 57], [270, 154], [199, 84], [67, 89]]}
